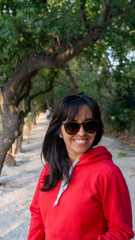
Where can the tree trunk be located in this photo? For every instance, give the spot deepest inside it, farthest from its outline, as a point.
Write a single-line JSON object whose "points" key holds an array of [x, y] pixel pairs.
{"points": [[28, 131], [9, 160], [19, 144], [13, 149], [20, 138], [34, 120], [10, 114], [9, 123]]}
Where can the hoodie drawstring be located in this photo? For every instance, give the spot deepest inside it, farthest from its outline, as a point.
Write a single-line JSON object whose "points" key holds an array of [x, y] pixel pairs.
{"points": [[64, 185]]}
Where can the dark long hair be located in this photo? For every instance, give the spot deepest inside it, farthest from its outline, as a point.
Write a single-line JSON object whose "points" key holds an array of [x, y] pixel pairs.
{"points": [[53, 148]]}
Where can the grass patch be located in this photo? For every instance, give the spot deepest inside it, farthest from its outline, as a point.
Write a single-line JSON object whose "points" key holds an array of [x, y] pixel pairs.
{"points": [[120, 154]]}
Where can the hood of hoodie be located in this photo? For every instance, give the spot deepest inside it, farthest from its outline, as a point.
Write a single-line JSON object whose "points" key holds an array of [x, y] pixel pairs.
{"points": [[94, 155]]}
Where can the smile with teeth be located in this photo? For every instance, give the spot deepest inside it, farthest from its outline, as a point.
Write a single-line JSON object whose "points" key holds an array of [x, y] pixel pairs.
{"points": [[80, 141]]}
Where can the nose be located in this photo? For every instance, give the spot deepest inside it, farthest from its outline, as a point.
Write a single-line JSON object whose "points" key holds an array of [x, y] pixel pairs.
{"points": [[81, 131]]}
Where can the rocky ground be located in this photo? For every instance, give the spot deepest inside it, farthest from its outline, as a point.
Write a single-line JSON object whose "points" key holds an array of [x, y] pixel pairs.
{"points": [[17, 184]]}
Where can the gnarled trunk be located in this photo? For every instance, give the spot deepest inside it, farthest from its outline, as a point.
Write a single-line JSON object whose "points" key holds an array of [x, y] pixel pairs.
{"points": [[19, 140], [10, 114], [10, 118]]}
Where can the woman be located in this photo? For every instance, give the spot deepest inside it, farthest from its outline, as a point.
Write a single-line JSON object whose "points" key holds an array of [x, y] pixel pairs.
{"points": [[81, 193]]}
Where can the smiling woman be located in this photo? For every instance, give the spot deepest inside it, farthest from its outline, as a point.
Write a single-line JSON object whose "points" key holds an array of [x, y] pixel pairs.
{"points": [[75, 135], [81, 193]]}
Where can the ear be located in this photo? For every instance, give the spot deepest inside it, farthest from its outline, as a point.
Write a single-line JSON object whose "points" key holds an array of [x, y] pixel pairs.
{"points": [[60, 134]]}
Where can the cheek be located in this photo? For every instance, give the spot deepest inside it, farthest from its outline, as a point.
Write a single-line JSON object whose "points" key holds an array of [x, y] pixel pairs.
{"points": [[92, 136], [66, 138]]}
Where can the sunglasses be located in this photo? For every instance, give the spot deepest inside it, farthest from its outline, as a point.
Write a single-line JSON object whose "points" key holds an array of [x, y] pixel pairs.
{"points": [[90, 126]]}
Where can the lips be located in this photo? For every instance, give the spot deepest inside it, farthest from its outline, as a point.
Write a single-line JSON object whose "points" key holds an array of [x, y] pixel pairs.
{"points": [[80, 141]]}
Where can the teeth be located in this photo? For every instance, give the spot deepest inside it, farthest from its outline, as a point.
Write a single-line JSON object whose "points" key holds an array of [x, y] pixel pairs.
{"points": [[80, 141]]}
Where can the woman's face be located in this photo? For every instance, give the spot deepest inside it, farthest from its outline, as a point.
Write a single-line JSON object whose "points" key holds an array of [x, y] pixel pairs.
{"points": [[82, 141]]}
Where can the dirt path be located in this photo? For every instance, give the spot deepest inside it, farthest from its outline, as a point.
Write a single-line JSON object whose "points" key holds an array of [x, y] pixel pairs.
{"points": [[17, 184]]}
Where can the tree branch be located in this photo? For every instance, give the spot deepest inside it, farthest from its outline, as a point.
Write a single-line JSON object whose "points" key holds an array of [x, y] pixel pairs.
{"points": [[104, 16], [57, 60], [83, 15], [28, 88], [73, 84], [30, 98], [44, 91], [64, 84]]}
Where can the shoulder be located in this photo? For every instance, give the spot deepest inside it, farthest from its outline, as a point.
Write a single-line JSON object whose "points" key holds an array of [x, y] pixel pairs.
{"points": [[111, 175], [103, 161], [108, 167]]}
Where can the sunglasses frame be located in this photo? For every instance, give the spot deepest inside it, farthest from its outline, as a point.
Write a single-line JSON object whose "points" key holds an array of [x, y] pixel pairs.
{"points": [[83, 124]]}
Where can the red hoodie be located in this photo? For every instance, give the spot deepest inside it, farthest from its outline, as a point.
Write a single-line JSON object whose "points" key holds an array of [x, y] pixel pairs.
{"points": [[94, 206]]}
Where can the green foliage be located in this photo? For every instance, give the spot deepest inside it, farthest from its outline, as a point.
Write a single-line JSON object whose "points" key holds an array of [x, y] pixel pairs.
{"points": [[27, 27], [104, 71], [116, 117], [120, 154]]}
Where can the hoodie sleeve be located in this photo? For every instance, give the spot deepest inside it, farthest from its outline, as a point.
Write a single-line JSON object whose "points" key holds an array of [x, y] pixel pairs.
{"points": [[116, 205], [36, 229]]}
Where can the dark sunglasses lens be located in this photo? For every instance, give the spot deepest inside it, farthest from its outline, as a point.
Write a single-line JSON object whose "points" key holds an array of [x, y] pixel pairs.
{"points": [[72, 128], [91, 127]]}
